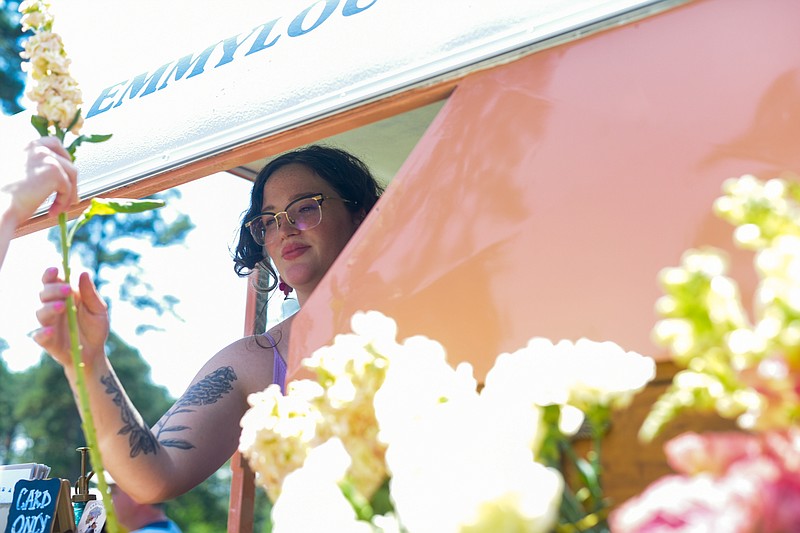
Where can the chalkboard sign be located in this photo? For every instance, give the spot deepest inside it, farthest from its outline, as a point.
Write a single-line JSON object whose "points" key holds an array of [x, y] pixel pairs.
{"points": [[37, 506]]}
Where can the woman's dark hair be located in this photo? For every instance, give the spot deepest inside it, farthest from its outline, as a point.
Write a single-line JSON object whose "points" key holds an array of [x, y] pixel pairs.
{"points": [[348, 176]]}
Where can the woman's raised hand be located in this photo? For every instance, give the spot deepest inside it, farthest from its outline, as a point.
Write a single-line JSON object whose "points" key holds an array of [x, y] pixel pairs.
{"points": [[48, 169], [53, 336]]}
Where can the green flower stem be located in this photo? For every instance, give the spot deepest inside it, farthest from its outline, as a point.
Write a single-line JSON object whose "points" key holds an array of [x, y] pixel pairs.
{"points": [[87, 421]]}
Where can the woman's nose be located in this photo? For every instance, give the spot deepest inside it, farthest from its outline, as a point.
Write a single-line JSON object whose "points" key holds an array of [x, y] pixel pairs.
{"points": [[285, 227]]}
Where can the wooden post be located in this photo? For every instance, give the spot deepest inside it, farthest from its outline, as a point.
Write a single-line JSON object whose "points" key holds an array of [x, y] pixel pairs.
{"points": [[243, 493], [241, 511]]}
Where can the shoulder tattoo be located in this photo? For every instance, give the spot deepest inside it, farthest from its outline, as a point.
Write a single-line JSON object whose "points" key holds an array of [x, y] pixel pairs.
{"points": [[207, 391]]}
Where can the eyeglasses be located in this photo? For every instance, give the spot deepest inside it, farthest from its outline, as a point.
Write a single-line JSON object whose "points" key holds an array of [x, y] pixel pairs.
{"points": [[304, 214]]}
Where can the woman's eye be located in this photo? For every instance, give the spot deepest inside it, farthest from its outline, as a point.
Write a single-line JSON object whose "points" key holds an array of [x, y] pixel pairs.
{"points": [[269, 221]]}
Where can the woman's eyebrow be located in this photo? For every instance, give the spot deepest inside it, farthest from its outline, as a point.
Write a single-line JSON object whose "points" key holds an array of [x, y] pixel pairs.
{"points": [[271, 208]]}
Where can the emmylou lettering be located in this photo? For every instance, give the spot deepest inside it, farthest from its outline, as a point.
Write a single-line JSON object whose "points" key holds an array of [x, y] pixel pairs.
{"points": [[31, 523], [260, 38]]}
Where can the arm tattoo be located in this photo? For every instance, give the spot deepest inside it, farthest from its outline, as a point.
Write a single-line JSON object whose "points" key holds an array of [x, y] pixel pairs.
{"points": [[205, 392], [140, 438]]}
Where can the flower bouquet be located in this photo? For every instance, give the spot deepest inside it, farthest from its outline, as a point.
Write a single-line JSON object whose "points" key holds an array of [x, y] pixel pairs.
{"points": [[744, 368], [390, 437]]}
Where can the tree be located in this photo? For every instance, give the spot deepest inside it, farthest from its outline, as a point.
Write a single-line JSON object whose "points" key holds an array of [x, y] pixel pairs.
{"points": [[12, 80], [50, 421], [11, 385], [97, 247]]}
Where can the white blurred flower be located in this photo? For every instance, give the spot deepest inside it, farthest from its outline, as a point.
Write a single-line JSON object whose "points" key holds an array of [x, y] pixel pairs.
{"points": [[570, 420], [350, 371], [421, 365], [376, 329], [312, 500], [583, 374], [457, 460], [278, 431], [461, 456], [387, 523], [35, 14], [604, 374], [530, 503]]}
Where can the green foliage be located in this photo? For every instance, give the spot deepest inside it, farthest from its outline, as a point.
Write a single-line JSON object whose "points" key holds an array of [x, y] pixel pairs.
{"points": [[263, 510], [46, 409], [97, 245], [583, 504], [11, 385], [12, 80], [204, 509]]}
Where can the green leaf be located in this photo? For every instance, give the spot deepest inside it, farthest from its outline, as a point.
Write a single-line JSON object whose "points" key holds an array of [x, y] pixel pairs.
{"points": [[74, 120], [41, 124], [587, 474], [360, 504], [381, 501], [112, 206], [86, 139]]}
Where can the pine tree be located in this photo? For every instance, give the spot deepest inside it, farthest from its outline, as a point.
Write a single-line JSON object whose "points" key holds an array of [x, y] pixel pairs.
{"points": [[12, 80]]}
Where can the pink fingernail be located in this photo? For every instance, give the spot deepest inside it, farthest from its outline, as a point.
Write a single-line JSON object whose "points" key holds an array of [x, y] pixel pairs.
{"points": [[66, 290], [52, 271], [41, 332], [58, 306]]}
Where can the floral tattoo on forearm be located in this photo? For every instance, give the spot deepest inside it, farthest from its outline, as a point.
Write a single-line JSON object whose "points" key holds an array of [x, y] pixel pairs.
{"points": [[139, 436]]}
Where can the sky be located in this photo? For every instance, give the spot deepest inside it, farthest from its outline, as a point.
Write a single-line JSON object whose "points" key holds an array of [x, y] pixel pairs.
{"points": [[198, 272]]}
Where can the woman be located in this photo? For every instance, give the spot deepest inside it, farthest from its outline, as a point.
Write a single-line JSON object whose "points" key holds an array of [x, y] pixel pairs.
{"points": [[304, 207], [48, 170]]}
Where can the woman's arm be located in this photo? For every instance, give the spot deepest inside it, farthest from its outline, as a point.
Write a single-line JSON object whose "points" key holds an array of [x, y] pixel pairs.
{"points": [[191, 440], [48, 169]]}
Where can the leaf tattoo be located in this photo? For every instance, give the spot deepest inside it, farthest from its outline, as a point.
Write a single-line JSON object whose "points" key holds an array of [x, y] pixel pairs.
{"points": [[140, 439], [207, 391]]}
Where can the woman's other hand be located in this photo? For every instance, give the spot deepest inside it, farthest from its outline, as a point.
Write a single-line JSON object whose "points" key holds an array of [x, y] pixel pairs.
{"points": [[48, 169], [93, 324]]}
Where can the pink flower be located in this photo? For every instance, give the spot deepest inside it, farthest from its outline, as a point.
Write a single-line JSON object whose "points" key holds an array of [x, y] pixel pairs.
{"points": [[692, 453], [736, 483], [698, 504]]}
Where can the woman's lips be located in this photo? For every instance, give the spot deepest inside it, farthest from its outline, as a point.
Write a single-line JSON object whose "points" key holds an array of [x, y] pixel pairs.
{"points": [[292, 251]]}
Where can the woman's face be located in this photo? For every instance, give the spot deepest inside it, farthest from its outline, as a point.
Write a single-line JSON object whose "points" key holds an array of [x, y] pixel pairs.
{"points": [[303, 257]]}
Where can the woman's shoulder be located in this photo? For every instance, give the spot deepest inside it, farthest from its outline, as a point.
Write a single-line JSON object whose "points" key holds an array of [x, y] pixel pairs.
{"points": [[250, 359], [279, 333]]}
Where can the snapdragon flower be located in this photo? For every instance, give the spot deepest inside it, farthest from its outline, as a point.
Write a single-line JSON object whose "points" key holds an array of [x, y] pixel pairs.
{"points": [[51, 86]]}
